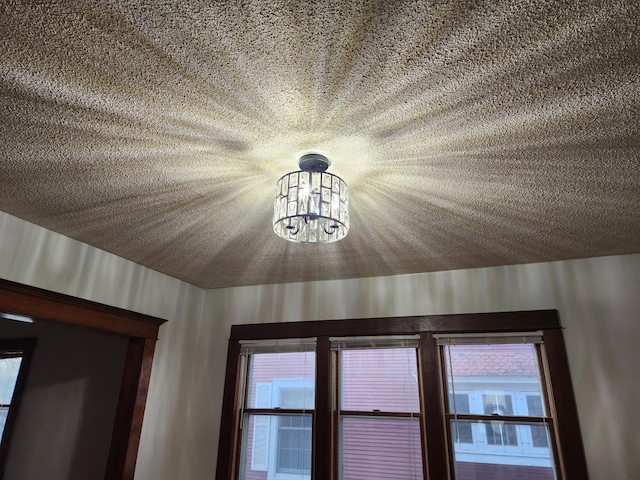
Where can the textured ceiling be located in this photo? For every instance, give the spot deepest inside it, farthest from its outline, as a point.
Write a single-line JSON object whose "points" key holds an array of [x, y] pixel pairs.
{"points": [[470, 134]]}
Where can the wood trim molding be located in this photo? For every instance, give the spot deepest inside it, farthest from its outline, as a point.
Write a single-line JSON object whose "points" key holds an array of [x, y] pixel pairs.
{"points": [[228, 438], [455, 323], [322, 431], [574, 464], [128, 422], [435, 457], [438, 461], [142, 331], [57, 307]]}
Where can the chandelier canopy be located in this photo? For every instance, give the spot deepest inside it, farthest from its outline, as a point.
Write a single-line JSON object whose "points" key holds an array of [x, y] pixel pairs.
{"points": [[311, 206]]}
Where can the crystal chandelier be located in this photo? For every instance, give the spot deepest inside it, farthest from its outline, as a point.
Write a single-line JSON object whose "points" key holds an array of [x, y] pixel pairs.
{"points": [[311, 206]]}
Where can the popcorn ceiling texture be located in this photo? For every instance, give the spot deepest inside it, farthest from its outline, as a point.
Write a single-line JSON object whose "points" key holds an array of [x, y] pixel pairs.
{"points": [[470, 134]]}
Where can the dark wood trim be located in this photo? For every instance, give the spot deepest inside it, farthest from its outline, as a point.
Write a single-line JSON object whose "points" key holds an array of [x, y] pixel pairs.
{"points": [[574, 464], [26, 347], [437, 458], [335, 405], [45, 305], [225, 469], [322, 460], [456, 323], [131, 405], [546, 399], [142, 331]]}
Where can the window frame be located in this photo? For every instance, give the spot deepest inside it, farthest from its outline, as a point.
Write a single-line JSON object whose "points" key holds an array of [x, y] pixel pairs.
{"points": [[570, 459]]}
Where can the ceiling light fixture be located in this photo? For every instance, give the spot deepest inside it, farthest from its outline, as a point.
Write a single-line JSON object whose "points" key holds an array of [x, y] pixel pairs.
{"points": [[311, 206]]}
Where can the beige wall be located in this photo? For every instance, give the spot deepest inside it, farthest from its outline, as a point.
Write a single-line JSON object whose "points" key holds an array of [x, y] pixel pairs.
{"points": [[597, 298], [38, 257]]}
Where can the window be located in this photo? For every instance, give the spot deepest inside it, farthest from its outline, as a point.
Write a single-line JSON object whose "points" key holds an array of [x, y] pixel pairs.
{"points": [[9, 369], [294, 445], [401, 398], [502, 377], [379, 406], [15, 356], [278, 409]]}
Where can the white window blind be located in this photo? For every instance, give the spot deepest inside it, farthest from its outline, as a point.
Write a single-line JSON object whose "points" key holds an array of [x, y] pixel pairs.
{"points": [[396, 341], [484, 339], [249, 347]]}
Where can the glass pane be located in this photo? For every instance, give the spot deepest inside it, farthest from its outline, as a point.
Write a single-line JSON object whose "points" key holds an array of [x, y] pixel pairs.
{"points": [[539, 435], [461, 431], [294, 444], [382, 379], [381, 449], [4, 411], [284, 380], [502, 461], [9, 368], [496, 379], [293, 180], [274, 445]]}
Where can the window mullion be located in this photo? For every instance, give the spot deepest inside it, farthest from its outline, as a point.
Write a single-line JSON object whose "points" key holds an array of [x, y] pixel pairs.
{"points": [[435, 453], [322, 432]]}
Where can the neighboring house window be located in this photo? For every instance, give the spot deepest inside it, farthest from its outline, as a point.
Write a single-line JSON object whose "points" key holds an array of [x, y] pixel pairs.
{"points": [[538, 432], [387, 399], [461, 430], [293, 451], [499, 433], [291, 435], [294, 445]]}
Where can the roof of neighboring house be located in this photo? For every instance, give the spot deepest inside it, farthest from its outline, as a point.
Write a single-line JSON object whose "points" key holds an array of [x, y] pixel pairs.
{"points": [[492, 360]]}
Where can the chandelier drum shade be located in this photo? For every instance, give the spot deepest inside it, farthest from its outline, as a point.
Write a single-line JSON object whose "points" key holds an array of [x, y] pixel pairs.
{"points": [[311, 206]]}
